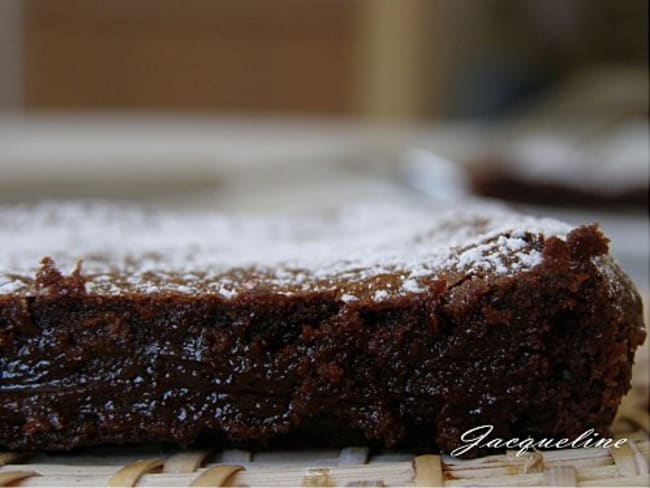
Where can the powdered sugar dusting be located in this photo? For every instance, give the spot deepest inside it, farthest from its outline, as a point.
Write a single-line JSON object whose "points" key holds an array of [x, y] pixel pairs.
{"points": [[346, 251]]}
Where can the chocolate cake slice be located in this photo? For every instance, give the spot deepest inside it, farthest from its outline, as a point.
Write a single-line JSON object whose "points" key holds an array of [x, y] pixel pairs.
{"points": [[390, 325]]}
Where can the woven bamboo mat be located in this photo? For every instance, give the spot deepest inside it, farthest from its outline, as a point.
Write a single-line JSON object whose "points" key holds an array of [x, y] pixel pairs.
{"points": [[352, 466]]}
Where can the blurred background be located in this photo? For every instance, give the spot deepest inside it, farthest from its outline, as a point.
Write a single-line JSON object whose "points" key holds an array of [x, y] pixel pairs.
{"points": [[249, 105]]}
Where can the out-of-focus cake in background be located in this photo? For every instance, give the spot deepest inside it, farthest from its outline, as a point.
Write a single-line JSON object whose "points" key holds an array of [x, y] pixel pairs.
{"points": [[584, 145], [551, 168]]}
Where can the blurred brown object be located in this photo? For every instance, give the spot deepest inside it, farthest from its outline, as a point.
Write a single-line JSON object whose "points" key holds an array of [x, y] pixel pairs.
{"points": [[229, 55], [321, 56], [406, 60], [10, 55]]}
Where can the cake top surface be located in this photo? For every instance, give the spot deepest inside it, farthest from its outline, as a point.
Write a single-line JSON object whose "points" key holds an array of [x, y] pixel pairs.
{"points": [[357, 251]]}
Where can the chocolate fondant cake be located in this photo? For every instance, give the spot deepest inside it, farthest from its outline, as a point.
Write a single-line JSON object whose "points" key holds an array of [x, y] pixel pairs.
{"points": [[395, 326]]}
